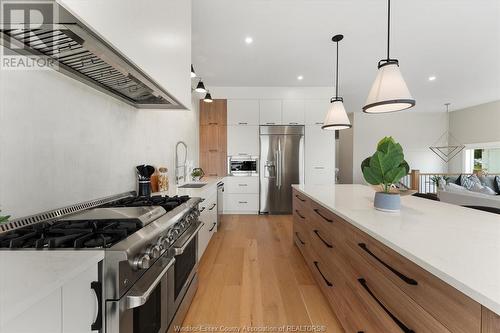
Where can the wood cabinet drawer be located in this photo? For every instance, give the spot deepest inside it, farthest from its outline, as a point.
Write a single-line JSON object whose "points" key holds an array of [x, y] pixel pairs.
{"points": [[241, 185], [376, 291], [301, 199], [457, 312]]}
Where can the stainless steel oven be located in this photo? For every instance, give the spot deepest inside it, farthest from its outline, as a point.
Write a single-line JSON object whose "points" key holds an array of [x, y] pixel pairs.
{"points": [[243, 165], [159, 300]]}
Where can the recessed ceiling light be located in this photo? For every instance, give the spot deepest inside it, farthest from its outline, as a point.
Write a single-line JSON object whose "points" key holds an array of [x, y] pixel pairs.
{"points": [[249, 40], [432, 78], [300, 77]]}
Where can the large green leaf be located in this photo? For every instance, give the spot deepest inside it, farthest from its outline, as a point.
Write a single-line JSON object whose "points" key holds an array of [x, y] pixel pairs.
{"points": [[394, 175], [405, 165], [370, 177], [365, 163], [385, 143]]}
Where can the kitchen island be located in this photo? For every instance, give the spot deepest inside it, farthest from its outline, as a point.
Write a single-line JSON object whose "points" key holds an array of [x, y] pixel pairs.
{"points": [[432, 267]]}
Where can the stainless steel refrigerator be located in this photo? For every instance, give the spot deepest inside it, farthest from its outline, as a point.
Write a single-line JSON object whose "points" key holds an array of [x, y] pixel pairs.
{"points": [[281, 165]]}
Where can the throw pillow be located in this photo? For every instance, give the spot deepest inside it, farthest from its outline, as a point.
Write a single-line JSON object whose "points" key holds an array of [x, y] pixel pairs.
{"points": [[497, 184], [487, 181], [487, 190], [469, 182], [458, 181]]}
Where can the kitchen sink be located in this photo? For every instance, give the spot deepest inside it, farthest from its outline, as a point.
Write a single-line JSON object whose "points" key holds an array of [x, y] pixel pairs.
{"points": [[198, 185]]}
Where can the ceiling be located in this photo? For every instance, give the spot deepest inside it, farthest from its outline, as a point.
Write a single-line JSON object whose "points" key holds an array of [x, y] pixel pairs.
{"points": [[458, 41]]}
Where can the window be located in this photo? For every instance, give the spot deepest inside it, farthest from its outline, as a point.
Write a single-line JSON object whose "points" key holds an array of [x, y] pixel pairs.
{"points": [[483, 159]]}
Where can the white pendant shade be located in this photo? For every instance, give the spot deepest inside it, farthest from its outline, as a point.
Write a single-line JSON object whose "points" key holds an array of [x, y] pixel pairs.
{"points": [[336, 118], [389, 92]]}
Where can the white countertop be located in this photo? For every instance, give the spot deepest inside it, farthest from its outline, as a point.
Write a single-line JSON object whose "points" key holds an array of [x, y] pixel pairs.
{"points": [[460, 246], [27, 277], [211, 183]]}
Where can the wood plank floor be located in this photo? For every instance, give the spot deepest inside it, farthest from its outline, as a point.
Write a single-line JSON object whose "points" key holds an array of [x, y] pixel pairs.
{"points": [[252, 275]]}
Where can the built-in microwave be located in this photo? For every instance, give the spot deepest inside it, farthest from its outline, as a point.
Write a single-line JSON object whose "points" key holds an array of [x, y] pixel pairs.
{"points": [[243, 165]]}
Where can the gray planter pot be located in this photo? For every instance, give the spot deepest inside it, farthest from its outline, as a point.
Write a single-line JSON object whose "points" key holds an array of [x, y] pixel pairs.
{"points": [[387, 202]]}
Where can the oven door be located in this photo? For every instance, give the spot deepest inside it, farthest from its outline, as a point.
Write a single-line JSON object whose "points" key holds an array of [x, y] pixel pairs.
{"points": [[144, 308], [185, 250]]}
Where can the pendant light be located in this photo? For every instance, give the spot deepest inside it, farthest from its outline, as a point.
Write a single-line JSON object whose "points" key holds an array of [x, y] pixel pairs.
{"points": [[193, 73], [336, 118], [447, 146], [200, 87], [208, 98], [389, 92]]}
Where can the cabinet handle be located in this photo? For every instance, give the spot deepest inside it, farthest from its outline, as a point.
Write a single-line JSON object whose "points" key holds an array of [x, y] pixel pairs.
{"points": [[213, 226], [325, 242], [300, 215], [212, 174], [318, 123], [242, 123], [213, 206], [243, 154], [300, 240], [212, 123], [97, 288], [242, 184], [243, 202], [316, 210], [213, 150], [293, 123], [297, 196], [399, 274], [403, 327], [270, 123], [319, 168], [328, 283]]}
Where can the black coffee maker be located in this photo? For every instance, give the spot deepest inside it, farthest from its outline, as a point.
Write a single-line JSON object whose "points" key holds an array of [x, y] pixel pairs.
{"points": [[144, 173]]}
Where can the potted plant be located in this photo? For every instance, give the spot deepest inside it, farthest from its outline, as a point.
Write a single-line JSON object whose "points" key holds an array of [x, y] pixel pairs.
{"points": [[197, 174], [4, 218], [384, 168]]}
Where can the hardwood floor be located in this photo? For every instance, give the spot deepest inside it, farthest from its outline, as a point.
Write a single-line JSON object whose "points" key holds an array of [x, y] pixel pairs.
{"points": [[252, 275]]}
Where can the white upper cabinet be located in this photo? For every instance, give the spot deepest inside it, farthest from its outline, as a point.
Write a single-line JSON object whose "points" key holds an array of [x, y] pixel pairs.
{"points": [[270, 111], [319, 155], [316, 110], [242, 112], [242, 140], [293, 112]]}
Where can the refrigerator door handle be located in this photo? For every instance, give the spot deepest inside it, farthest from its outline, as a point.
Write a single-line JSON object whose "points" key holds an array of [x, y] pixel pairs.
{"points": [[279, 166]]}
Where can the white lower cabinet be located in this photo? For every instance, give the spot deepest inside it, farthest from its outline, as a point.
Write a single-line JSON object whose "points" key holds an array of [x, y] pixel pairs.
{"points": [[319, 155], [241, 203], [241, 185], [80, 307], [242, 140], [208, 215]]}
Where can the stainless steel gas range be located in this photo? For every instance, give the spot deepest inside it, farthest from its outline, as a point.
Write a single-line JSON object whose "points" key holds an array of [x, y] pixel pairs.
{"points": [[149, 273]]}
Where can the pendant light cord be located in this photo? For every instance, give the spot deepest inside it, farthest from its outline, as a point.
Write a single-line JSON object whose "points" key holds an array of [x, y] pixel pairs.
{"points": [[388, 27], [337, 74]]}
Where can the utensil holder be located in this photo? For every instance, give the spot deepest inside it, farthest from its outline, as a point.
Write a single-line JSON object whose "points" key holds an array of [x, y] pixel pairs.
{"points": [[144, 188]]}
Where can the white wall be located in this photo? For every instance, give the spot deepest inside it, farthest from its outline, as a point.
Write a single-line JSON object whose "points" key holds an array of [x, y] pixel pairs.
{"points": [[62, 142], [475, 127], [345, 153], [272, 92], [415, 131]]}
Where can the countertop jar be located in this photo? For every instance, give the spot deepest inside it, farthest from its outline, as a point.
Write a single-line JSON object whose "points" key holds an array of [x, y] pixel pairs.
{"points": [[163, 179]]}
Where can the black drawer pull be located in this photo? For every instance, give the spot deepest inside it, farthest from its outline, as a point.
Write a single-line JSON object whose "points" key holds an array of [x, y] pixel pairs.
{"points": [[97, 288], [213, 206], [303, 200], [328, 283], [323, 216], [403, 327], [300, 215], [399, 274], [300, 240], [324, 241], [202, 209], [213, 226]]}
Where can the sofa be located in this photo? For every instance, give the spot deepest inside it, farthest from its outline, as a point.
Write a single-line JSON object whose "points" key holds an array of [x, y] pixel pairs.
{"points": [[481, 191]]}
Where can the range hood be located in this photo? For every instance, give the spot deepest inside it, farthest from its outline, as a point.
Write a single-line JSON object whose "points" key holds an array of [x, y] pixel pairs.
{"points": [[79, 52]]}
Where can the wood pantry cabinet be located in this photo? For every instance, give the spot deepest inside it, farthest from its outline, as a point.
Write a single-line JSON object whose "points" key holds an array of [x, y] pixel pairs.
{"points": [[372, 288], [213, 137]]}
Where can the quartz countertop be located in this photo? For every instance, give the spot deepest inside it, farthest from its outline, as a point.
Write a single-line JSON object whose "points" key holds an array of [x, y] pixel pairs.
{"points": [[211, 183], [460, 246], [26, 277]]}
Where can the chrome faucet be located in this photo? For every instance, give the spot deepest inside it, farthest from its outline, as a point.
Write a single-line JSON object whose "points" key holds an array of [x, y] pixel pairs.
{"points": [[183, 165]]}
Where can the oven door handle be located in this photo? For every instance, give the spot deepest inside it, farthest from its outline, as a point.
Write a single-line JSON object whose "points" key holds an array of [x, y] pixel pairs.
{"points": [[137, 298], [178, 250]]}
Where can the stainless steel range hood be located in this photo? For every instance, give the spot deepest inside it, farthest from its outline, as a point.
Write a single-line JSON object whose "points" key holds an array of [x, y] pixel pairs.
{"points": [[82, 54]]}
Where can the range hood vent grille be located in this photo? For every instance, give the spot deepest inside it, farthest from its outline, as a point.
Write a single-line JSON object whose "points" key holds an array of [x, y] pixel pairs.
{"points": [[81, 54]]}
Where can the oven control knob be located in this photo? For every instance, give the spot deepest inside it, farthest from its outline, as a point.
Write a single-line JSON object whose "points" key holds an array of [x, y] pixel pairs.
{"points": [[153, 252], [142, 261], [165, 243]]}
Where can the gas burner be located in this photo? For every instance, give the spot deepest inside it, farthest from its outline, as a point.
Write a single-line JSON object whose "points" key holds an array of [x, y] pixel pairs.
{"points": [[69, 234], [168, 203]]}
